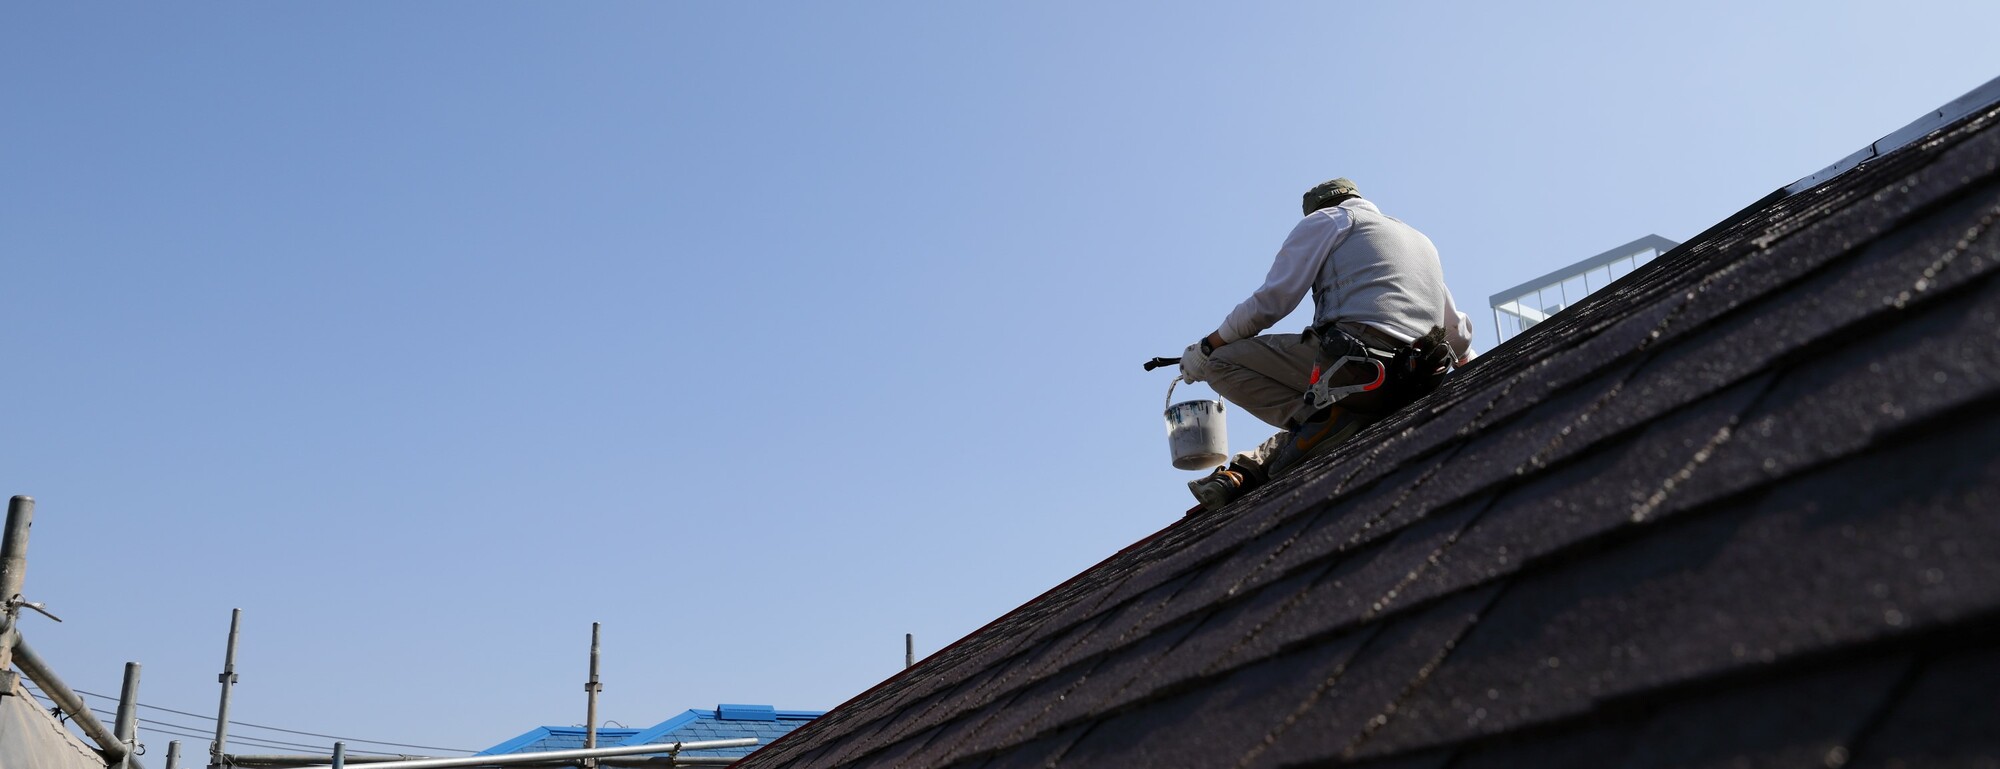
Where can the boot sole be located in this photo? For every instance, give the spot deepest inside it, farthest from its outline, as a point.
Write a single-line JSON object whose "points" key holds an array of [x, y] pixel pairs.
{"points": [[1211, 496]]}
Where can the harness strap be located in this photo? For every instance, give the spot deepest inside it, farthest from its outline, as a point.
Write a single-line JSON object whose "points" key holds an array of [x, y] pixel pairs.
{"points": [[1409, 371]]}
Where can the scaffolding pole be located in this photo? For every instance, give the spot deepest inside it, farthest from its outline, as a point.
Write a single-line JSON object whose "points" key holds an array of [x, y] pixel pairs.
{"points": [[306, 759], [13, 571], [228, 679], [591, 687], [128, 714]]}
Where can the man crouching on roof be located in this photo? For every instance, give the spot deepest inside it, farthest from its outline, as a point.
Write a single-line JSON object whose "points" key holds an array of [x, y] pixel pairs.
{"points": [[1384, 332]]}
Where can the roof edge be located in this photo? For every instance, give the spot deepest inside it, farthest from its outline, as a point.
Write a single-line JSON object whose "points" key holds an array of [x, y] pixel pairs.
{"points": [[967, 638], [1973, 101]]}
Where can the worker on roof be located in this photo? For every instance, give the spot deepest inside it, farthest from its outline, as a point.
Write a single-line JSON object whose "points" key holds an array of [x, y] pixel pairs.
{"points": [[1384, 332]]}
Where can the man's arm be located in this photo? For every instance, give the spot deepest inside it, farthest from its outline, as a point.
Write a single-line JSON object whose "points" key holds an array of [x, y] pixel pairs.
{"points": [[1291, 276]]}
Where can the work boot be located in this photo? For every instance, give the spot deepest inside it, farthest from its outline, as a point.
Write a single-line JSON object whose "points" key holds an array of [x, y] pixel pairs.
{"points": [[1228, 483], [1218, 488]]}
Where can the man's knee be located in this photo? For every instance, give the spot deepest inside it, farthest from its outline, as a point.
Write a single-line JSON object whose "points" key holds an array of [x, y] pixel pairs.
{"points": [[1226, 359], [1232, 378], [1262, 375], [1258, 359]]}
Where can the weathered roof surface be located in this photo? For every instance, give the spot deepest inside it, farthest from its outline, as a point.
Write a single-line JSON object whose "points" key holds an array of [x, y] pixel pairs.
{"points": [[543, 739], [725, 722], [1740, 508], [31, 738]]}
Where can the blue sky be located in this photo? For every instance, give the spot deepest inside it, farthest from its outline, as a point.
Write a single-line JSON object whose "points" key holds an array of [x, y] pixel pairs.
{"points": [[428, 334]]}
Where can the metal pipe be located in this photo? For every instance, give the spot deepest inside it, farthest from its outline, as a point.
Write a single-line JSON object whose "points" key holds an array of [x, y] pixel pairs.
{"points": [[66, 698], [174, 755], [14, 545], [558, 755], [651, 761], [627, 762], [13, 571], [228, 679], [909, 649], [340, 755], [307, 762], [128, 712], [591, 687], [301, 759]]}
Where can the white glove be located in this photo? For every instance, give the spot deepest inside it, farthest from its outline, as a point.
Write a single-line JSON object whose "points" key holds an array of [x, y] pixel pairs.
{"points": [[1194, 364]]}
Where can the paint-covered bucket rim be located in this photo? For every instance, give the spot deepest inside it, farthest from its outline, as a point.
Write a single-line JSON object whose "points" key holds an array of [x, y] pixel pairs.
{"points": [[1219, 405]]}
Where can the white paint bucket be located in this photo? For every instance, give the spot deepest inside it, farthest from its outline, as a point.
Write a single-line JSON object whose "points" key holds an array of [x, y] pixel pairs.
{"points": [[1197, 433]]}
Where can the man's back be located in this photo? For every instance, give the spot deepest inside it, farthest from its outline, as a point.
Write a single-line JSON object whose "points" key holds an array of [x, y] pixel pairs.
{"points": [[1384, 273]]}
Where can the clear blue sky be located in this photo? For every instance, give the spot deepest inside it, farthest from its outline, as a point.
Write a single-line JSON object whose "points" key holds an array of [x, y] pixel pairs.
{"points": [[430, 333]]}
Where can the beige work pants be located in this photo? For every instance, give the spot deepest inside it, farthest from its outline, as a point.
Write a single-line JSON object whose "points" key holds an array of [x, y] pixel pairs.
{"points": [[1264, 375], [1267, 375]]}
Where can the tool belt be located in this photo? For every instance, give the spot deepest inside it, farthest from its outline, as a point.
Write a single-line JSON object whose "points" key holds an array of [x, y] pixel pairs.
{"points": [[1380, 378]]}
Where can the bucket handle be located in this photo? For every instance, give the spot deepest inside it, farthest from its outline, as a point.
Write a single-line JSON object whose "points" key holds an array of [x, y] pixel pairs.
{"points": [[1171, 383]]}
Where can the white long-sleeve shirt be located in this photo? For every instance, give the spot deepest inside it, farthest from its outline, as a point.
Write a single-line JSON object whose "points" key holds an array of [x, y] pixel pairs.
{"points": [[1362, 267]]}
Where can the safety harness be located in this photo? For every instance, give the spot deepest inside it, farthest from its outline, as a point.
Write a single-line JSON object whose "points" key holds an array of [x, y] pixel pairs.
{"points": [[1402, 375]]}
